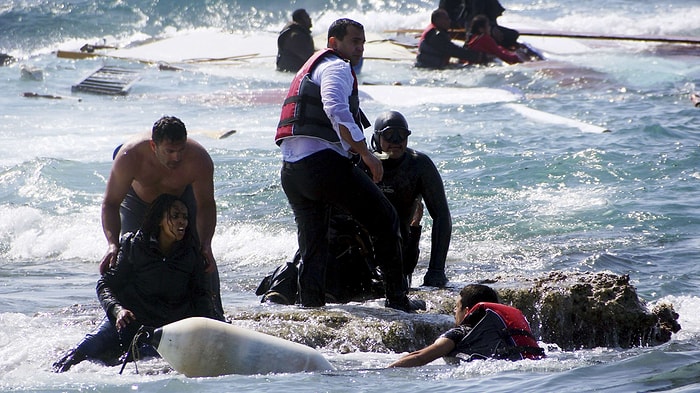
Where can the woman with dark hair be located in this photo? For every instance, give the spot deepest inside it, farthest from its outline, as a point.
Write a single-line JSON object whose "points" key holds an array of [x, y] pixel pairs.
{"points": [[158, 279]]}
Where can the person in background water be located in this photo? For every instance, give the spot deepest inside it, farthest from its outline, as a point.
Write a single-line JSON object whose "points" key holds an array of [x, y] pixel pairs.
{"points": [[485, 329], [411, 177], [295, 44], [492, 9], [436, 48], [480, 41], [158, 279], [317, 141]]}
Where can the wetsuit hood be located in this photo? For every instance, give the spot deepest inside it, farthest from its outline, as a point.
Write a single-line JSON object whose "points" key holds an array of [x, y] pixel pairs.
{"points": [[386, 121]]}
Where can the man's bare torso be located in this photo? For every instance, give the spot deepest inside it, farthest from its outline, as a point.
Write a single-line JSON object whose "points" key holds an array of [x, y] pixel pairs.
{"points": [[151, 177]]}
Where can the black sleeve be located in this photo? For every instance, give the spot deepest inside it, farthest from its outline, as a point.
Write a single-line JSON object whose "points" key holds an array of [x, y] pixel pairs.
{"points": [[202, 302], [115, 279], [442, 42], [456, 334], [433, 192]]}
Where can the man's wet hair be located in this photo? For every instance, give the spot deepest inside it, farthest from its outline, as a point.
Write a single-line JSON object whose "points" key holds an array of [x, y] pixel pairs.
{"points": [[339, 28], [168, 128], [299, 14], [477, 293], [436, 14]]}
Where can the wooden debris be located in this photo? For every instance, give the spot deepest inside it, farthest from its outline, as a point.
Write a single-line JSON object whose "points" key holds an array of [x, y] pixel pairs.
{"points": [[108, 80]]}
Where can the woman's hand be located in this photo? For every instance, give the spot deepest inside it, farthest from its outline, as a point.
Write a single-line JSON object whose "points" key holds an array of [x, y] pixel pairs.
{"points": [[124, 318]]}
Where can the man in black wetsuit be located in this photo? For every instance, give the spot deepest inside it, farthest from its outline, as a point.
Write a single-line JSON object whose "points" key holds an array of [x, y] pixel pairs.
{"points": [[411, 178], [295, 44]]}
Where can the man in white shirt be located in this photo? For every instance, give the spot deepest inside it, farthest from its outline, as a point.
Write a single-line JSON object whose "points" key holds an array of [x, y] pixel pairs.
{"points": [[320, 130]]}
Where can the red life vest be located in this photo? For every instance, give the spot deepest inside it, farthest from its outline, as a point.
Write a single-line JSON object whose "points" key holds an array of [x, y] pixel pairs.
{"points": [[516, 329], [302, 111]]}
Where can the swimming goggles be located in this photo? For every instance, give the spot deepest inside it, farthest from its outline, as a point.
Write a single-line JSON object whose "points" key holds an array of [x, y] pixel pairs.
{"points": [[394, 135]]}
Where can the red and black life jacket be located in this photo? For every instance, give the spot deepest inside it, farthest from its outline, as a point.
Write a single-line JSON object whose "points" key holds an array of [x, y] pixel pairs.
{"points": [[302, 111], [512, 329]]}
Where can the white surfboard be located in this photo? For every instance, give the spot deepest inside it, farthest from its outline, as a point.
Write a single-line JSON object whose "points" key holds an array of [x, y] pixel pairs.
{"points": [[203, 347], [403, 96]]}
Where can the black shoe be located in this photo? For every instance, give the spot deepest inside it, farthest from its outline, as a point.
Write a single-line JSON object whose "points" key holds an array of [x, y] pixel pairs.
{"points": [[405, 304], [71, 358], [435, 278]]}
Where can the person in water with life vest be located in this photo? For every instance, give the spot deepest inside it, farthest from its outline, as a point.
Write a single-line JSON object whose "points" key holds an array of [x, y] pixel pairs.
{"points": [[295, 44], [158, 279], [411, 178], [485, 329], [435, 48], [319, 132]]}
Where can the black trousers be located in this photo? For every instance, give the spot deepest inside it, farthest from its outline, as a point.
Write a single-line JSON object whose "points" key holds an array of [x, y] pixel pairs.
{"points": [[326, 179]]}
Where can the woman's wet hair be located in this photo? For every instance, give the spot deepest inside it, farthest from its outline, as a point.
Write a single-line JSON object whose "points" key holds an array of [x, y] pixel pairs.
{"points": [[160, 207]]}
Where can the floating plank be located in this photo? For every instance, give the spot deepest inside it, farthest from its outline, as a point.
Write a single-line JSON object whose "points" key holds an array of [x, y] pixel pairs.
{"points": [[108, 80], [613, 37], [551, 118], [30, 94], [591, 36]]}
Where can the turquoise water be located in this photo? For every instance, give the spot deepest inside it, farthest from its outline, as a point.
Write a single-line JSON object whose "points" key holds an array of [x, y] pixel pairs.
{"points": [[526, 196]]}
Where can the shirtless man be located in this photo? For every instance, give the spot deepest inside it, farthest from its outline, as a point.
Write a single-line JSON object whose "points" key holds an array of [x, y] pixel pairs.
{"points": [[144, 168]]}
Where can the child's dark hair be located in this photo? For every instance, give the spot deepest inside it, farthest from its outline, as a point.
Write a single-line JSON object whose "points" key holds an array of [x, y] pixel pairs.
{"points": [[479, 22], [477, 293]]}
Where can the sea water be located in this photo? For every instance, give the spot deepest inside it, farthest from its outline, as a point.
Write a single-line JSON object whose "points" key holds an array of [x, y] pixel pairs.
{"points": [[526, 196]]}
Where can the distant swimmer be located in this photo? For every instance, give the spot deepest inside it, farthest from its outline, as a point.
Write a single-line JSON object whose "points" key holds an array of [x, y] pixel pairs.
{"points": [[166, 163], [435, 48], [295, 44], [481, 41]]}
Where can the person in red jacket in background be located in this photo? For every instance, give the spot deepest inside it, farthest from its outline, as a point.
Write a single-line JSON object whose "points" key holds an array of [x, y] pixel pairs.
{"points": [[481, 42]]}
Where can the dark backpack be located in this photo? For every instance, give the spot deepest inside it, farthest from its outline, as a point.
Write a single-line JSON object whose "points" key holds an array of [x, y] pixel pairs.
{"points": [[281, 285], [352, 275]]}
